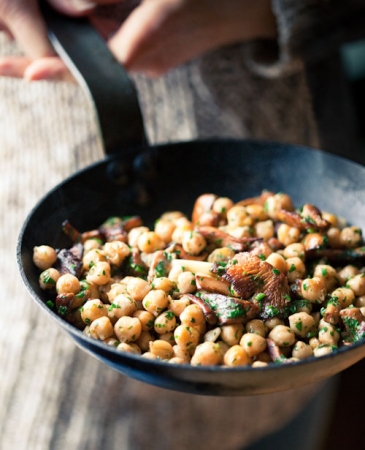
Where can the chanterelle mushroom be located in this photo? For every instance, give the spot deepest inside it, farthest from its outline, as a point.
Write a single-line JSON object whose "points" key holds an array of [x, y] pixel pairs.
{"points": [[309, 218], [252, 278]]}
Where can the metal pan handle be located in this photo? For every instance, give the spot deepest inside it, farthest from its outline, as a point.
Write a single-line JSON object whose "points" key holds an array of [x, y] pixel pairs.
{"points": [[103, 78]]}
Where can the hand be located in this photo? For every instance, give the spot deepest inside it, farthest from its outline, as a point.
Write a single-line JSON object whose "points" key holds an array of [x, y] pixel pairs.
{"points": [[155, 36]]}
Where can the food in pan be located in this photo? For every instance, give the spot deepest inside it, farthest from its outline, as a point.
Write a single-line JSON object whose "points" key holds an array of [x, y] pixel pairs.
{"points": [[255, 282]]}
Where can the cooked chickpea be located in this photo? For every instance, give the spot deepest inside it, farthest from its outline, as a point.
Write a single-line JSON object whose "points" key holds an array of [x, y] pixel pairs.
{"points": [[165, 322], [231, 334], [165, 284], [138, 288], [282, 335], [92, 310], [287, 235], [314, 290], [168, 337], [92, 257], [128, 329], [44, 256], [164, 229], [359, 302], [212, 335], [259, 364], [172, 216], [295, 249], [99, 273], [264, 230], [206, 354], [276, 202], [222, 254], [257, 212], [179, 232], [129, 348], [123, 305], [314, 240], [116, 289], [222, 205], [327, 333], [334, 237], [149, 355], [236, 356], [193, 242], [328, 275], [186, 283], [322, 350], [192, 316], [301, 350], [48, 278], [357, 284], [256, 326], [277, 261], [253, 344], [150, 242], [187, 337], [155, 302], [237, 216], [314, 342], [301, 323], [162, 349], [134, 235], [351, 237], [68, 284], [101, 328], [295, 269], [345, 273], [111, 341], [174, 273], [273, 322], [345, 296], [178, 306], [92, 244], [146, 318], [184, 355], [239, 232], [144, 340], [116, 252]]}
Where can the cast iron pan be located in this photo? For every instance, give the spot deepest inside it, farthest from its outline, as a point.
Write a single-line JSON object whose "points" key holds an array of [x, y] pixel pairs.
{"points": [[137, 179]]}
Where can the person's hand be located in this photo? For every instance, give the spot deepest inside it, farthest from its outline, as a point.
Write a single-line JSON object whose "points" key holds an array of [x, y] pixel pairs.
{"points": [[155, 36]]}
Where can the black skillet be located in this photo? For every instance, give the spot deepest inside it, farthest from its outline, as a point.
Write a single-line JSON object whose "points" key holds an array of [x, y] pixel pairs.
{"points": [[137, 179]]}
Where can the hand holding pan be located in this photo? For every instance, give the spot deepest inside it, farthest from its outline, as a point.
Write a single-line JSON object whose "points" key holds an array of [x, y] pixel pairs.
{"points": [[148, 180]]}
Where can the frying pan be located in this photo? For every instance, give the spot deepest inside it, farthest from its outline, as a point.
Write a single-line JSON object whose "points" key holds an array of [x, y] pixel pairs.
{"points": [[136, 178]]}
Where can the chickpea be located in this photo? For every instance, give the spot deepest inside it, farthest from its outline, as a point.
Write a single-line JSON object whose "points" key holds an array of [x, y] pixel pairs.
{"points": [[301, 323], [231, 334], [327, 334], [165, 322], [92, 310], [222, 254], [149, 355], [206, 354], [172, 216], [92, 257], [314, 342], [116, 252], [273, 322], [187, 337], [303, 306], [282, 335], [115, 290], [186, 283], [138, 288], [295, 269], [123, 305], [351, 237], [313, 289], [149, 242], [161, 349], [256, 326], [328, 275], [239, 232], [237, 216], [276, 202], [301, 350], [174, 273], [48, 279], [184, 355], [253, 344], [101, 328], [331, 218], [265, 229], [68, 284], [277, 261], [146, 318], [144, 340], [128, 329], [295, 249], [360, 301], [259, 364], [134, 235], [179, 232], [44, 256], [155, 302], [183, 222], [212, 335], [236, 356], [322, 350], [168, 337], [111, 341], [334, 237], [164, 229], [345, 296], [178, 306], [129, 348], [346, 273], [222, 205], [99, 273], [92, 244], [357, 284], [193, 242], [287, 235], [192, 316]]}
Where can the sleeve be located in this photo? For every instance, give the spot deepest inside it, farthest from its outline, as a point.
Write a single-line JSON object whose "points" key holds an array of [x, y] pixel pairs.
{"points": [[308, 31]]}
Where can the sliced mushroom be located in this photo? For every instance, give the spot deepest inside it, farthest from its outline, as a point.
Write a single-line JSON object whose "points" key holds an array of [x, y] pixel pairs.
{"points": [[160, 265], [354, 323], [260, 200], [221, 239], [135, 266], [203, 204], [209, 314], [337, 256], [70, 261], [274, 352], [212, 284]]}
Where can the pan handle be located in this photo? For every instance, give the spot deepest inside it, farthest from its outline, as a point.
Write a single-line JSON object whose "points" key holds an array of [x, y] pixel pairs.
{"points": [[103, 78]]}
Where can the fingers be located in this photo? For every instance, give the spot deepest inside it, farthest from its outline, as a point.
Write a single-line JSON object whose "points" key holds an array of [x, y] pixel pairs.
{"points": [[14, 66], [49, 68]]}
